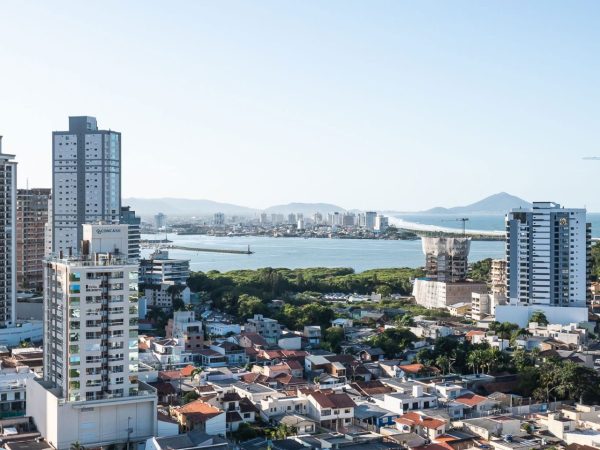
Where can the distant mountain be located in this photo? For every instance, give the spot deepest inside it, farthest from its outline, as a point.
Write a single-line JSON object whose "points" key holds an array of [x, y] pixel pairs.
{"points": [[307, 209], [147, 207], [494, 204]]}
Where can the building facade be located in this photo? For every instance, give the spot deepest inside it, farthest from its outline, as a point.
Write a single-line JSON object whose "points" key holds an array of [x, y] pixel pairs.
{"points": [[159, 268], [86, 181], [91, 317], [547, 253], [446, 259], [134, 223], [8, 239], [32, 216]]}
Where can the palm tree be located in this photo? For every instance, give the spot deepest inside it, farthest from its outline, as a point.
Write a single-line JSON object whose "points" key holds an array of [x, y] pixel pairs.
{"points": [[77, 446], [443, 363]]}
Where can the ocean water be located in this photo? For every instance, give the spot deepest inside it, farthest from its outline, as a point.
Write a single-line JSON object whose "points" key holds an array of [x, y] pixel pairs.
{"points": [[360, 254]]}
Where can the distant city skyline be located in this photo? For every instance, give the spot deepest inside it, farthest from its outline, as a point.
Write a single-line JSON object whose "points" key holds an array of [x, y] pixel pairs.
{"points": [[392, 106]]}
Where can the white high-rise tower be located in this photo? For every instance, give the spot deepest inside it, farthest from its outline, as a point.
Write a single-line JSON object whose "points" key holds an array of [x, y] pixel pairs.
{"points": [[86, 181]]}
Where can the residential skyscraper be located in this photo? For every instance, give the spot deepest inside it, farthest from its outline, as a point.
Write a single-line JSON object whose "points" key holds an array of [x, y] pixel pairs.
{"points": [[8, 238], [160, 221], [86, 181], [547, 252], [91, 347], [370, 217], [32, 216]]}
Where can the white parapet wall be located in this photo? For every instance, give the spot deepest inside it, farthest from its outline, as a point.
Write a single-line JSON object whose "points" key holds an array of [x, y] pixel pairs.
{"points": [[520, 314], [96, 423]]}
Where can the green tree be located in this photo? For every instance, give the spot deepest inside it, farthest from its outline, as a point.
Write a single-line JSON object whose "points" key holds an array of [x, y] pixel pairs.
{"points": [[76, 446], [539, 317], [249, 305], [333, 338], [384, 290], [393, 341], [190, 397]]}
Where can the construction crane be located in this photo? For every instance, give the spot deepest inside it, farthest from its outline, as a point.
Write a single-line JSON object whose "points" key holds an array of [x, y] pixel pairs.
{"points": [[464, 221]]}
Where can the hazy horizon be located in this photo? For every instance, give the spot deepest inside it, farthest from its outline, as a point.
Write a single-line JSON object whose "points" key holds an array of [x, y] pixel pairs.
{"points": [[386, 105]]}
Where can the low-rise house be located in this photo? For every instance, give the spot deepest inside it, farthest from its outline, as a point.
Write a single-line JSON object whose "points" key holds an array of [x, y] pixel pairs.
{"points": [[200, 416], [371, 354], [409, 396], [460, 309], [194, 440], [184, 326], [171, 353], [569, 334], [419, 423], [13, 384], [373, 417], [235, 354], [488, 427], [266, 327], [312, 334], [477, 404], [251, 339], [575, 425], [416, 371], [222, 328], [255, 392], [342, 323], [272, 407], [302, 424], [162, 295], [331, 410], [289, 341], [211, 358]]}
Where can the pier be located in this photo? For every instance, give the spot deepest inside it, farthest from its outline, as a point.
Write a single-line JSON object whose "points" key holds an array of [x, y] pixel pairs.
{"points": [[167, 244]]}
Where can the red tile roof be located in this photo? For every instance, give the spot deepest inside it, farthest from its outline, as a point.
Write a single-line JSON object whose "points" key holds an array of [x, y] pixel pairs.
{"points": [[470, 399], [413, 419], [331, 400], [198, 411]]}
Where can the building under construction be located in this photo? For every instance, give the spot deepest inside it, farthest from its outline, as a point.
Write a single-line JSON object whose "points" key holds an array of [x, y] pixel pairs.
{"points": [[446, 258]]}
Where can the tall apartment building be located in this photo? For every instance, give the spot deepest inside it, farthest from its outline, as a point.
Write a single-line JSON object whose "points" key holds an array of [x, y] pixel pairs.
{"points": [[382, 223], [134, 223], [91, 388], [370, 217], [8, 239], [86, 181], [90, 313], [446, 259], [160, 221], [547, 251], [32, 216]]}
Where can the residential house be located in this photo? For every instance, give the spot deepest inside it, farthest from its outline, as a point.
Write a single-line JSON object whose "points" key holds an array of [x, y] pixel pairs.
{"points": [[331, 410], [477, 404], [289, 341], [200, 416], [194, 440], [235, 354], [312, 334], [268, 328], [421, 424]]}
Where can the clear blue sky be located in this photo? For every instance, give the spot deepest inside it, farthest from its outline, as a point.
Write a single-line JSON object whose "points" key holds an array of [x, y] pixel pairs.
{"points": [[371, 104]]}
